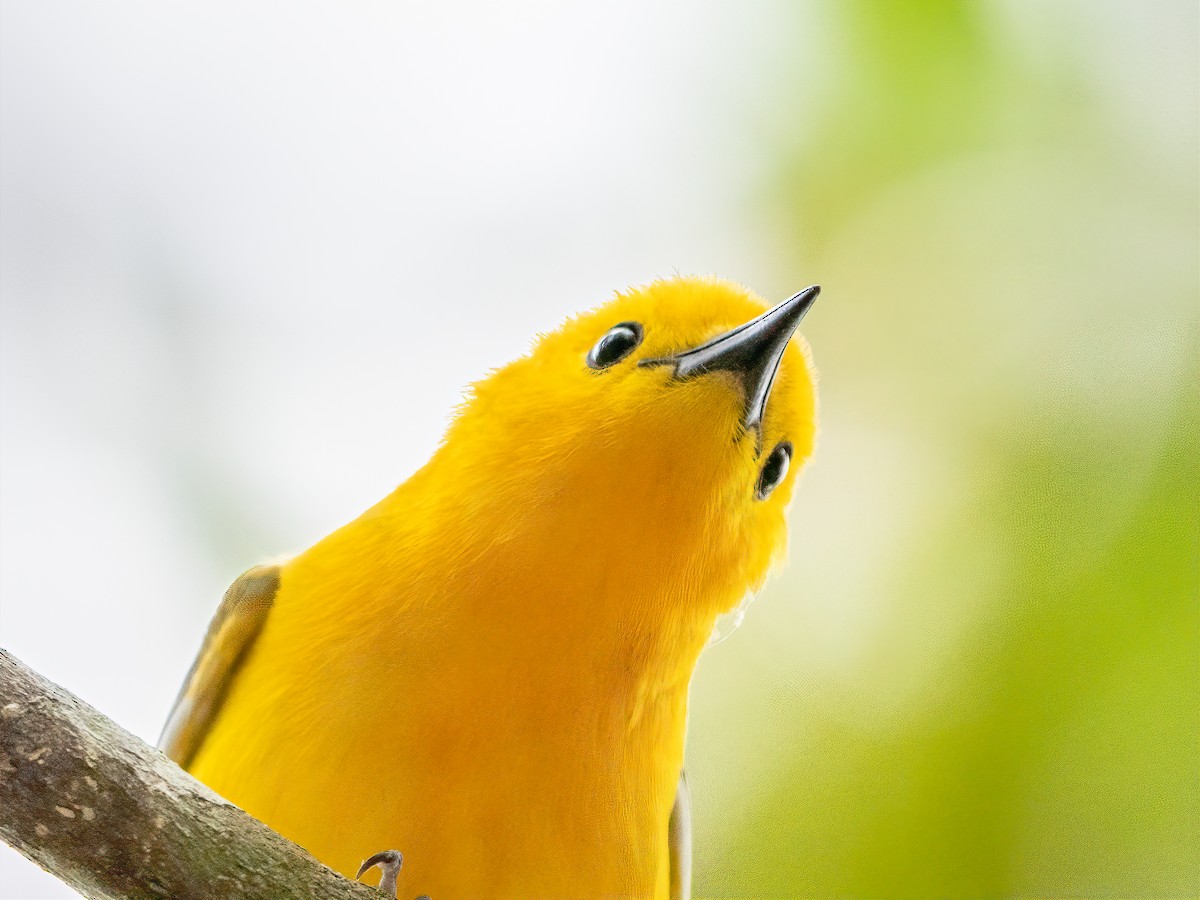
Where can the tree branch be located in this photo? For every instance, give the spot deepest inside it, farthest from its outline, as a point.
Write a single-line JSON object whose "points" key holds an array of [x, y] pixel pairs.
{"points": [[114, 818]]}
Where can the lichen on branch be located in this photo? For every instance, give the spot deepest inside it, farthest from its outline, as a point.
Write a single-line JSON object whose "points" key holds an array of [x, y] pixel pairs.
{"points": [[114, 818]]}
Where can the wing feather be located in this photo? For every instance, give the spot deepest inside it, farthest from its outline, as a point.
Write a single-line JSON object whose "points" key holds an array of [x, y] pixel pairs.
{"points": [[679, 841], [238, 621]]}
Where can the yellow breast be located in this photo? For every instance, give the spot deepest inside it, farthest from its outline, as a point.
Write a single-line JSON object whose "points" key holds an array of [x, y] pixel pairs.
{"points": [[481, 703]]}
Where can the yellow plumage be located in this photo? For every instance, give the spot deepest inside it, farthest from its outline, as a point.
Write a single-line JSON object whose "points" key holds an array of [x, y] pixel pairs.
{"points": [[489, 669]]}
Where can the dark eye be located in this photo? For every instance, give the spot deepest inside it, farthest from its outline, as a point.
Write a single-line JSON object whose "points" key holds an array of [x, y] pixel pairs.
{"points": [[618, 343], [773, 470]]}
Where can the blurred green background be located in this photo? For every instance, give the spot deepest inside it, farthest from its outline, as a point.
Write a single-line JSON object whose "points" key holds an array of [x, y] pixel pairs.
{"points": [[979, 676], [1000, 695]]}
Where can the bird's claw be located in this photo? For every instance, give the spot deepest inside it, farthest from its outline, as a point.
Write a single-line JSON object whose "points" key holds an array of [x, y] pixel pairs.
{"points": [[389, 862]]}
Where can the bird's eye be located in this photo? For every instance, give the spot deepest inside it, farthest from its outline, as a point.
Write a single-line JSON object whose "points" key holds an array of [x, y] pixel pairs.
{"points": [[773, 470], [617, 343]]}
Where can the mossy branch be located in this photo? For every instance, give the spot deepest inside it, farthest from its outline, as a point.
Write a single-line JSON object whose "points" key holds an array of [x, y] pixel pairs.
{"points": [[114, 818]]}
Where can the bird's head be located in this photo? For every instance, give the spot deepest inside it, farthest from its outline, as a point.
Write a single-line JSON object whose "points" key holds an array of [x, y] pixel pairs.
{"points": [[653, 444]]}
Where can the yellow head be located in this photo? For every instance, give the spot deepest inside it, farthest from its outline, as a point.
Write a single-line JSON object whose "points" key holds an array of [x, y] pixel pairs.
{"points": [[636, 465]]}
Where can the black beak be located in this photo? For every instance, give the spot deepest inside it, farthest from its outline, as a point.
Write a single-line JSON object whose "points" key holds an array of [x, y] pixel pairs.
{"points": [[751, 351]]}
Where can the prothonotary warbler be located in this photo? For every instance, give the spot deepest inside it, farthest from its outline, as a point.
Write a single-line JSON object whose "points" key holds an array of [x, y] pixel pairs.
{"points": [[488, 670]]}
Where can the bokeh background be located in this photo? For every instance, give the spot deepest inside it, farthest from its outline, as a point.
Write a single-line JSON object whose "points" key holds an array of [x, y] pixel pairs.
{"points": [[252, 252]]}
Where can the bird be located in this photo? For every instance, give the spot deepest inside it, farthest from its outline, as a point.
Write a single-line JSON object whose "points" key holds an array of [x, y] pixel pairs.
{"points": [[489, 668]]}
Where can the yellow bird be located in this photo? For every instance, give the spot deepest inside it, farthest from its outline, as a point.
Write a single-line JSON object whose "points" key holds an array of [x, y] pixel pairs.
{"points": [[489, 669]]}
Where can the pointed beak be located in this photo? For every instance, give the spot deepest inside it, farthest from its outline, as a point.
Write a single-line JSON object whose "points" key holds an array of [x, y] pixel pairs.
{"points": [[752, 352]]}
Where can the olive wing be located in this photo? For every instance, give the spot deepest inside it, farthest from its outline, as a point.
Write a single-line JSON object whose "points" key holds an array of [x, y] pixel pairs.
{"points": [[679, 842], [238, 621]]}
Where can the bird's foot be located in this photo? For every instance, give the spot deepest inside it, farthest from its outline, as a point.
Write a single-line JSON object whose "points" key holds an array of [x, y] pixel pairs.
{"points": [[389, 862]]}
